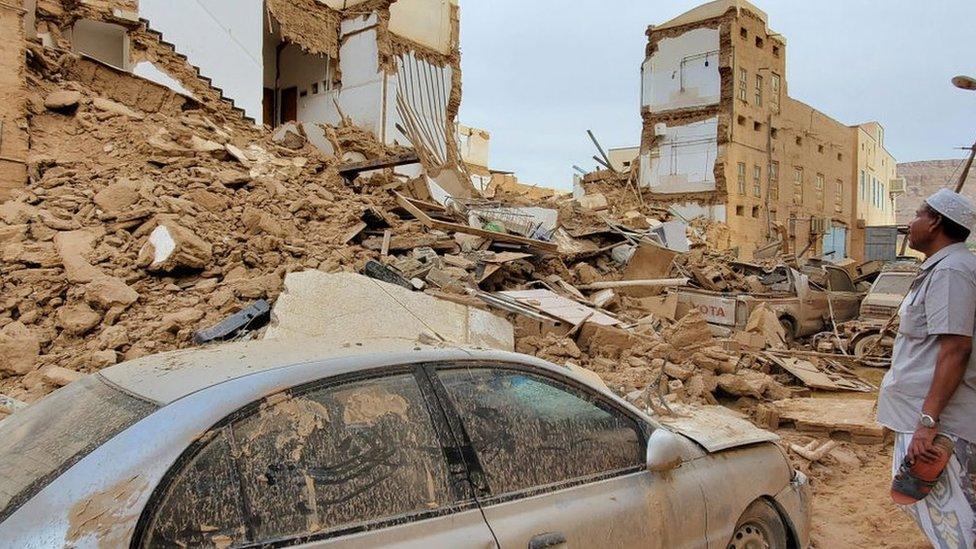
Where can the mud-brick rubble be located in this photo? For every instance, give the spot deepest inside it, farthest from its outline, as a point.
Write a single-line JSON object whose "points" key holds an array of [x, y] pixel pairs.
{"points": [[81, 284]]}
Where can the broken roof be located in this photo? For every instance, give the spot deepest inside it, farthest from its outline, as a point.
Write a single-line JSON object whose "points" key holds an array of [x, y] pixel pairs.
{"points": [[711, 10]]}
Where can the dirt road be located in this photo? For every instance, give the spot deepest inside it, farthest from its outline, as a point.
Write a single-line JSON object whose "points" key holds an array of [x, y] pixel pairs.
{"points": [[852, 508]]}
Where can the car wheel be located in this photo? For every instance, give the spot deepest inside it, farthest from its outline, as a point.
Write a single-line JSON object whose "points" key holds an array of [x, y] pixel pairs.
{"points": [[759, 528], [789, 329], [862, 345]]}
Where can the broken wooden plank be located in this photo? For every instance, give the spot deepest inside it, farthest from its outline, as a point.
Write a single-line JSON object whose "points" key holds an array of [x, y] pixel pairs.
{"points": [[350, 170], [655, 283], [560, 307], [852, 418], [352, 233], [385, 249], [821, 378], [431, 223]]}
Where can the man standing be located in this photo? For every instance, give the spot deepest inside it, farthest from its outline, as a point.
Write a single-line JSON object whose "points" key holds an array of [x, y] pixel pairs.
{"points": [[931, 387]]}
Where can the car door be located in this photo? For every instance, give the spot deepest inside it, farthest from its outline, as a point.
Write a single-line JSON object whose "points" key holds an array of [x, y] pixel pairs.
{"points": [[556, 464], [844, 297], [356, 462]]}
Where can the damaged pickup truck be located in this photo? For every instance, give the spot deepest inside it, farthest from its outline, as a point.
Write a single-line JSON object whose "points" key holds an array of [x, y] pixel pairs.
{"points": [[803, 307], [272, 444], [863, 335]]}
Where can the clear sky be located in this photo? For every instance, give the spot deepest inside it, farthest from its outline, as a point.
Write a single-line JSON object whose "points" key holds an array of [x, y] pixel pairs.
{"points": [[538, 73]]}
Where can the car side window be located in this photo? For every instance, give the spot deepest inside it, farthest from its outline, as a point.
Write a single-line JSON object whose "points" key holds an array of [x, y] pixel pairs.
{"points": [[202, 505], [340, 457], [530, 431]]}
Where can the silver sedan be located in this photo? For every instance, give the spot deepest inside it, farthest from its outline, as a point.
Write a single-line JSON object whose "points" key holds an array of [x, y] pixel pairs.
{"points": [[276, 444]]}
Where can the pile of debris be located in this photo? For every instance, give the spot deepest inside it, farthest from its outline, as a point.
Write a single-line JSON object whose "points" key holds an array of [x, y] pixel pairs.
{"points": [[157, 219], [139, 226]]}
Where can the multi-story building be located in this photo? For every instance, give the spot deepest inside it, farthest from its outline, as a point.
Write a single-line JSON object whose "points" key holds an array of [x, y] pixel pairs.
{"points": [[723, 138]]}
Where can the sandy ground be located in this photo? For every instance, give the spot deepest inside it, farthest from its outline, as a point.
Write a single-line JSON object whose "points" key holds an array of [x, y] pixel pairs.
{"points": [[852, 508]]}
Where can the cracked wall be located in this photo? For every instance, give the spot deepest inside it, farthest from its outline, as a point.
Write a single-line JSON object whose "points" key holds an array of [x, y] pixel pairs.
{"points": [[13, 124]]}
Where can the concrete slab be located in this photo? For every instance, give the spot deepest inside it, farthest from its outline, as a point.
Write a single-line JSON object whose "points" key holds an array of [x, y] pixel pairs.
{"points": [[347, 308]]}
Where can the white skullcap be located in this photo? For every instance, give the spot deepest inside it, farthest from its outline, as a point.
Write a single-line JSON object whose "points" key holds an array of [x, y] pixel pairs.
{"points": [[953, 206]]}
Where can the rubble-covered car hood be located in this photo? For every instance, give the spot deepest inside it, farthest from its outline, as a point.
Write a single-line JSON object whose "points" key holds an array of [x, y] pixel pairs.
{"points": [[715, 428]]}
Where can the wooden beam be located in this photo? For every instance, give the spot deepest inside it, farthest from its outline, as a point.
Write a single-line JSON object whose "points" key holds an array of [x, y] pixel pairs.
{"points": [[432, 223], [352, 169]]}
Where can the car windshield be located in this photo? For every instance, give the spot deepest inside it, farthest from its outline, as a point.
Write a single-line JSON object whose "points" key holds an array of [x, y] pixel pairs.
{"points": [[893, 284], [45, 439]]}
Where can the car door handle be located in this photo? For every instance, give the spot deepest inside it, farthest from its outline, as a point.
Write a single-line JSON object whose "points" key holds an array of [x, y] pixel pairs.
{"points": [[549, 539]]}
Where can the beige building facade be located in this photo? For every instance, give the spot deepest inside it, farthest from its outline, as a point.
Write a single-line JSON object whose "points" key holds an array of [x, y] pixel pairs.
{"points": [[723, 138], [878, 186]]}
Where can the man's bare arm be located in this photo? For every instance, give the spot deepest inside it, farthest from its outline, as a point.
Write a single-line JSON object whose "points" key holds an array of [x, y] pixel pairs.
{"points": [[950, 367], [954, 351]]}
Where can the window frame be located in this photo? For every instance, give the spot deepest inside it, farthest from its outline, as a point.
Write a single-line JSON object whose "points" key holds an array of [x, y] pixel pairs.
{"points": [[568, 384], [453, 456], [740, 174]]}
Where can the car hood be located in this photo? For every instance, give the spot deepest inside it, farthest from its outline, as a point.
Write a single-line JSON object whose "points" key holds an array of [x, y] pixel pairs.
{"points": [[714, 427]]}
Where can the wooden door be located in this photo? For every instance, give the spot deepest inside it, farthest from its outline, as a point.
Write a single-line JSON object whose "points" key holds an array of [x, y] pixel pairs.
{"points": [[289, 105]]}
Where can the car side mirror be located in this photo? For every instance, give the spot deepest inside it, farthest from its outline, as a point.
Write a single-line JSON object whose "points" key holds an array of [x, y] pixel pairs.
{"points": [[665, 451]]}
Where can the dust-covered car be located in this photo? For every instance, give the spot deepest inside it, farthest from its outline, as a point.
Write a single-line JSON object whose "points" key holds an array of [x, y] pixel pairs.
{"points": [[280, 444]]}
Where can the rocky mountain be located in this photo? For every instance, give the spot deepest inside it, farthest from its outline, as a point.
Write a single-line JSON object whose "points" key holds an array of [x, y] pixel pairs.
{"points": [[924, 178]]}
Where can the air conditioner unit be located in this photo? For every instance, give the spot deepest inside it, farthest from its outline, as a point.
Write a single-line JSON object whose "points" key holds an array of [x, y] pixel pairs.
{"points": [[660, 129], [897, 186]]}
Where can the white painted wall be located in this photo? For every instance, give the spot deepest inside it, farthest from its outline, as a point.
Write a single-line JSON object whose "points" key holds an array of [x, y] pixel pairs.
{"points": [[310, 74], [683, 160], [222, 37], [104, 41], [694, 210], [426, 22], [683, 72], [361, 95], [149, 71]]}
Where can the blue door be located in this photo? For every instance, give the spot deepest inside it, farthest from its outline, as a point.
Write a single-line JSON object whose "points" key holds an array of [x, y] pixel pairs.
{"points": [[835, 244]]}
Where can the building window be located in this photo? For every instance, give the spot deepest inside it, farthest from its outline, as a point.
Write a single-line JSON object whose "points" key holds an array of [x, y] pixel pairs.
{"points": [[820, 149], [774, 181], [757, 126], [743, 32], [797, 185], [820, 181], [757, 181], [775, 85], [776, 51], [883, 204], [759, 90], [772, 215], [740, 211], [741, 120], [759, 42], [840, 157], [774, 133], [743, 84], [799, 141], [742, 177], [755, 212], [839, 196]]}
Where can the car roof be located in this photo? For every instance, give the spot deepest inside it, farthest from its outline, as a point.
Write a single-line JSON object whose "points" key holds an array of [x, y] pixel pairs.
{"points": [[167, 377]]}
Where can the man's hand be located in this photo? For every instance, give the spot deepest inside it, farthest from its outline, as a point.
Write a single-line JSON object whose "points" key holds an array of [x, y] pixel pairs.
{"points": [[922, 447]]}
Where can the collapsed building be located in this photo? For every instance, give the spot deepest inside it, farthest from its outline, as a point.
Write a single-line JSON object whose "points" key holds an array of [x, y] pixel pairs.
{"points": [[722, 138], [332, 71]]}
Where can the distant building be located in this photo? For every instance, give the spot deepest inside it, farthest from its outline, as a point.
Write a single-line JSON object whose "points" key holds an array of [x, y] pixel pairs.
{"points": [[475, 145], [723, 138]]}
